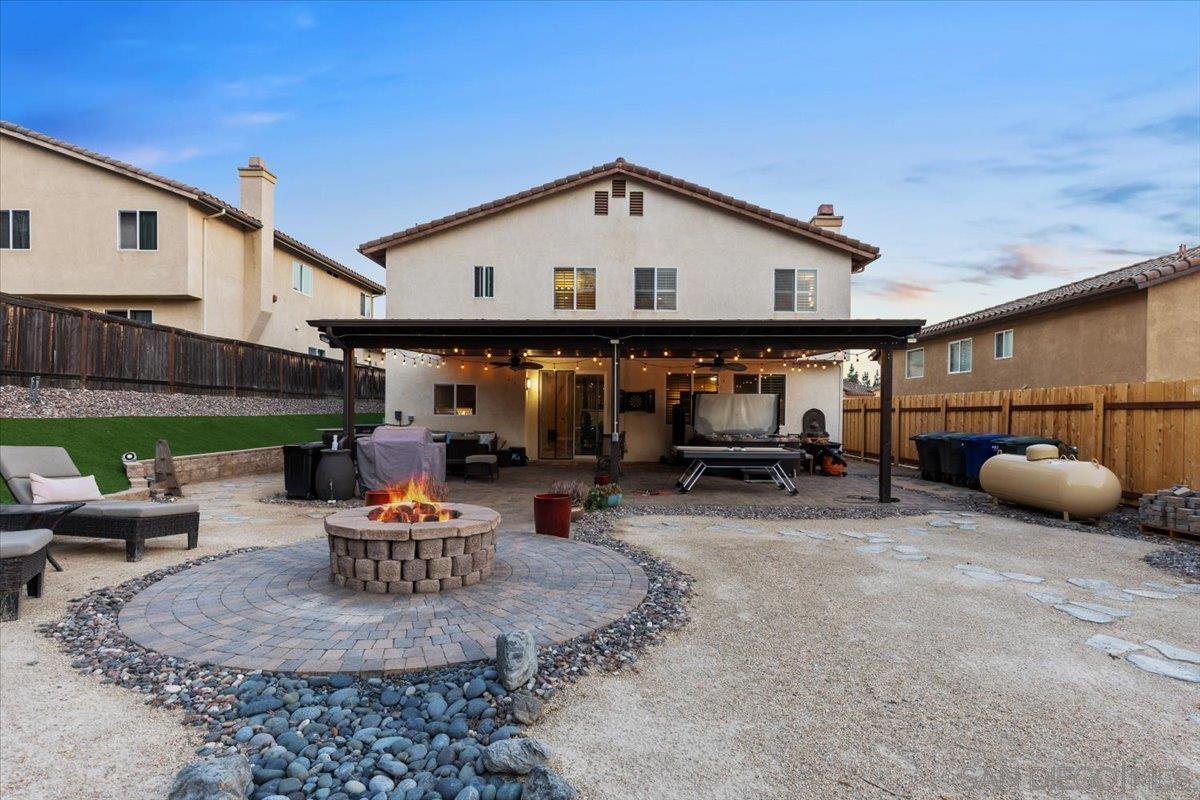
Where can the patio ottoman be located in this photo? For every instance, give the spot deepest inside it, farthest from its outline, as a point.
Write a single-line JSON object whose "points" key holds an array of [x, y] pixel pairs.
{"points": [[484, 465], [22, 563], [134, 522]]}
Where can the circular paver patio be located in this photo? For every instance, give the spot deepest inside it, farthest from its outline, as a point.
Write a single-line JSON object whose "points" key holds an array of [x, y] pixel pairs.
{"points": [[276, 609]]}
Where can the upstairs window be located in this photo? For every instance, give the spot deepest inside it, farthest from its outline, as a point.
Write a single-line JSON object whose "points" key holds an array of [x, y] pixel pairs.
{"points": [[575, 288], [914, 363], [655, 288], [366, 305], [775, 383], [637, 204], [14, 229], [960, 357], [135, 314], [317, 351], [795, 290], [302, 278], [138, 230], [485, 282], [454, 399], [601, 204], [1004, 344]]}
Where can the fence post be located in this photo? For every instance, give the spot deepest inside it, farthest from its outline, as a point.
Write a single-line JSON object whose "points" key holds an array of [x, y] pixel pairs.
{"points": [[863, 414], [1006, 411], [1098, 403], [943, 412], [83, 349], [171, 362]]}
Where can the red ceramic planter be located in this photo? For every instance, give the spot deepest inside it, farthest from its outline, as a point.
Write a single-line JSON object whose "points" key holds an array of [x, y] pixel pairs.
{"points": [[552, 514]]}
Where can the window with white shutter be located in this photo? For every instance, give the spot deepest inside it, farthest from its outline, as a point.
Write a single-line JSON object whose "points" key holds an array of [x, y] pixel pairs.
{"points": [[795, 290], [485, 284]]}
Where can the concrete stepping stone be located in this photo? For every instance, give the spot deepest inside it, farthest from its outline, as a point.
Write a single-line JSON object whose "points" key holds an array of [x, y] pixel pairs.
{"points": [[1022, 577], [1194, 717], [941, 523], [1112, 645], [1189, 588], [1085, 614], [916, 531], [1048, 598], [1116, 594], [871, 548], [994, 577], [1090, 583], [1172, 652], [1102, 609], [853, 534], [965, 525], [881, 540], [818, 535], [1168, 669], [942, 512], [906, 549], [1153, 594], [910, 556]]}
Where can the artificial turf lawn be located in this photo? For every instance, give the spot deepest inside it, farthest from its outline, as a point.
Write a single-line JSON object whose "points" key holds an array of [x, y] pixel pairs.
{"points": [[96, 444]]}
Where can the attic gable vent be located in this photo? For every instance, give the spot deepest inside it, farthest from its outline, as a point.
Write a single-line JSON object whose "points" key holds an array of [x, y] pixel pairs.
{"points": [[636, 202], [618, 187], [601, 203]]}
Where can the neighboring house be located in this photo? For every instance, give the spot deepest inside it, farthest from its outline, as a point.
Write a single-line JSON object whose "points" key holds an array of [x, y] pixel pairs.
{"points": [[1137, 323], [617, 242], [82, 229], [855, 389]]}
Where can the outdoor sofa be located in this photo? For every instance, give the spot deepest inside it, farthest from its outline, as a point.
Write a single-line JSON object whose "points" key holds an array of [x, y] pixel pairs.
{"points": [[131, 522]]}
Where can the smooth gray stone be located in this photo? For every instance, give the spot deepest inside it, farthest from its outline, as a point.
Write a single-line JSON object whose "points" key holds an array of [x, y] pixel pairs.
{"points": [[818, 535], [1048, 598], [881, 540], [1172, 652], [1103, 609], [225, 778], [1023, 577], [871, 548], [516, 658], [907, 550], [941, 523], [994, 577], [1085, 614], [515, 756], [1090, 583], [1153, 594], [546, 784], [910, 556], [1119, 595], [1168, 669], [1112, 645], [1162, 587]]}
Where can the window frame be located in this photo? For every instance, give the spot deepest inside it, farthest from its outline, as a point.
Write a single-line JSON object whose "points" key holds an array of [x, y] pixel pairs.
{"points": [[28, 225], [137, 212], [656, 290], [796, 309], [454, 399], [950, 356], [488, 284], [319, 352], [311, 282], [907, 366], [996, 338], [687, 394], [574, 288], [366, 305], [127, 313]]}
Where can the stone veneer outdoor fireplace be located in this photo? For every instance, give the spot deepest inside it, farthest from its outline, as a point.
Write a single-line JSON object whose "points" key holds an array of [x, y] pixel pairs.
{"points": [[397, 557]]}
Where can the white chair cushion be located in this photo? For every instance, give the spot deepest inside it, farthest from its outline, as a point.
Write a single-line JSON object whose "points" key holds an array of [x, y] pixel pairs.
{"points": [[16, 544], [64, 490]]}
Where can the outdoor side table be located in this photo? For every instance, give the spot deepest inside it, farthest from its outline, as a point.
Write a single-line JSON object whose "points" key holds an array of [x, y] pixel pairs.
{"points": [[27, 516]]}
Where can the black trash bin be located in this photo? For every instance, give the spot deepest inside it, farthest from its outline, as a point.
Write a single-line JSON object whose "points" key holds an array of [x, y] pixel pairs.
{"points": [[300, 469], [1016, 445], [928, 456], [953, 457]]}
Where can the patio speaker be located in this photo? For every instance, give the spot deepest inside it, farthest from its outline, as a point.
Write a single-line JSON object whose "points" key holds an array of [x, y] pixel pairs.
{"points": [[129, 456]]}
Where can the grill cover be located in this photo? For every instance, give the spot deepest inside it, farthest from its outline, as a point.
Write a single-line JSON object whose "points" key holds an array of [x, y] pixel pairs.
{"points": [[737, 414], [394, 455]]}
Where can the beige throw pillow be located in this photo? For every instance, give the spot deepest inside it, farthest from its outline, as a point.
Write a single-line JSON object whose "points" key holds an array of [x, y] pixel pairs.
{"points": [[64, 490]]}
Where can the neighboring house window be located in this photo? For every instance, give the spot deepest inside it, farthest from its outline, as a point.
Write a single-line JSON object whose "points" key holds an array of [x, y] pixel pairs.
{"points": [[680, 388], [135, 314], [1004, 344], [655, 288], [914, 363], [775, 384], [454, 399], [138, 230], [795, 290], [316, 351], [302, 278], [365, 305], [960, 356], [575, 287], [14, 229], [485, 282]]}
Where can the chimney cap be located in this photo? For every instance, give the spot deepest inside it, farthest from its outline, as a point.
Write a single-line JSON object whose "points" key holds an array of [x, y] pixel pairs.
{"points": [[256, 161], [825, 210]]}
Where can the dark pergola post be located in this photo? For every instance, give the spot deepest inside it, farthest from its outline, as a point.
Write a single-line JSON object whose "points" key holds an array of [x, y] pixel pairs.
{"points": [[349, 390], [614, 459], [885, 425]]}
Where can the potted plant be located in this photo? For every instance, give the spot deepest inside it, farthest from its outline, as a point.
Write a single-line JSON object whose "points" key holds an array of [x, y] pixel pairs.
{"points": [[612, 492], [576, 490]]}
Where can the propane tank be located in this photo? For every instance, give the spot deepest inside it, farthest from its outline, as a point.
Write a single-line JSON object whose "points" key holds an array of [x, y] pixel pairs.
{"points": [[1041, 479]]}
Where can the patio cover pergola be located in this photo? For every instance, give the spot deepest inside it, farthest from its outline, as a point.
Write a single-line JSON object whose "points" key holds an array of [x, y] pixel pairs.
{"points": [[617, 338]]}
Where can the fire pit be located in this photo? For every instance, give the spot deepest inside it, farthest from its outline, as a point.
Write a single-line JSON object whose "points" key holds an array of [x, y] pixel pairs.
{"points": [[411, 544]]}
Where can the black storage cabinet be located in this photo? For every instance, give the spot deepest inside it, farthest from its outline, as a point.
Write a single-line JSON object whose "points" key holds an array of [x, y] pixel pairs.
{"points": [[300, 469]]}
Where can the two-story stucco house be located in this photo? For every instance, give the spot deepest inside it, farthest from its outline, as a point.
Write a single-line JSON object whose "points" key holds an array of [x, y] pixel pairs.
{"points": [[670, 274], [82, 229]]}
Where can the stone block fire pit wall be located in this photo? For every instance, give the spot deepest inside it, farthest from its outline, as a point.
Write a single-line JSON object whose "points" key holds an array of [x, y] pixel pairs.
{"points": [[403, 557]]}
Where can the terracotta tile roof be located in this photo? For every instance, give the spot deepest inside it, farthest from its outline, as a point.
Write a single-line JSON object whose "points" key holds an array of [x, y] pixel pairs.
{"points": [[855, 389], [1185, 261], [232, 213], [861, 253]]}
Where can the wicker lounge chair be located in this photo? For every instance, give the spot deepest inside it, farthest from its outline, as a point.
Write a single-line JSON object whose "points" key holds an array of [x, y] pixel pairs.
{"points": [[22, 564], [132, 522]]}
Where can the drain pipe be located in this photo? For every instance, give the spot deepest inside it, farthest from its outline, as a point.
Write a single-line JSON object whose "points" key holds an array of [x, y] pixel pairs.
{"points": [[204, 267]]}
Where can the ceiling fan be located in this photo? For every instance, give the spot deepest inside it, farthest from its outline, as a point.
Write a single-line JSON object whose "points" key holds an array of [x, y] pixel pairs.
{"points": [[719, 364], [516, 362]]}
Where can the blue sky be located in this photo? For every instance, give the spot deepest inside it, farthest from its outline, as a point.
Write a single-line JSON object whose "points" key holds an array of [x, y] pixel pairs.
{"points": [[989, 150]]}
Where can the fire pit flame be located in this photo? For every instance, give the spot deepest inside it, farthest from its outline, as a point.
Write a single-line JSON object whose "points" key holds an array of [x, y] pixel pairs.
{"points": [[413, 502]]}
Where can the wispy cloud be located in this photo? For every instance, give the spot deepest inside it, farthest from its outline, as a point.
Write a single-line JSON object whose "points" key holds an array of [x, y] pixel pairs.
{"points": [[998, 167], [252, 118], [150, 156], [304, 20], [1177, 129], [1021, 261], [1115, 194], [901, 291]]}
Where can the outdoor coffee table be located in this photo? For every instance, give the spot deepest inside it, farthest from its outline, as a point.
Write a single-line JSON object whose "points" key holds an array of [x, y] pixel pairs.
{"points": [[26, 516]]}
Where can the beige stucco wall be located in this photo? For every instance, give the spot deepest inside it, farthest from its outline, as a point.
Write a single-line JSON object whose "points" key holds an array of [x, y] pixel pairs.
{"points": [[504, 404], [726, 263], [1173, 332], [1099, 342]]}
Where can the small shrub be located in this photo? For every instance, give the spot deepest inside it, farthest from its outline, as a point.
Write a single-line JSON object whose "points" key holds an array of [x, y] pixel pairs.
{"points": [[596, 499], [577, 491]]}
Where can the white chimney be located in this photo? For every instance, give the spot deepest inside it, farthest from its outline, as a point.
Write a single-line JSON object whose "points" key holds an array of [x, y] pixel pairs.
{"points": [[825, 218], [258, 200]]}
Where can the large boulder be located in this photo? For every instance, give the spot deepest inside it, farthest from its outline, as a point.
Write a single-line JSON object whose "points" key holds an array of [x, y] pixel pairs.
{"points": [[224, 778], [515, 756], [516, 658], [544, 783]]}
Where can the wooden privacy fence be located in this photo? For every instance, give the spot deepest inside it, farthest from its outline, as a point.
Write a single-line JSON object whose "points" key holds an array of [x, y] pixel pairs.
{"points": [[76, 348], [1146, 433]]}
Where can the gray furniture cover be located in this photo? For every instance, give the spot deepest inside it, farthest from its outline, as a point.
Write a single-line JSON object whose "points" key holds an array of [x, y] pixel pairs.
{"points": [[395, 455], [736, 414]]}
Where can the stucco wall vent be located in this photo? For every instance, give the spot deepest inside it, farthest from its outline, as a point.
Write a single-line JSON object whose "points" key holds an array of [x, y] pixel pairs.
{"points": [[601, 203]]}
